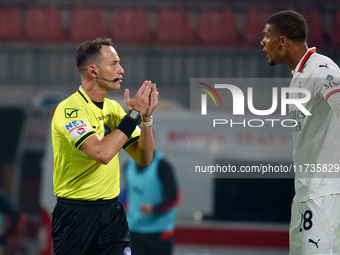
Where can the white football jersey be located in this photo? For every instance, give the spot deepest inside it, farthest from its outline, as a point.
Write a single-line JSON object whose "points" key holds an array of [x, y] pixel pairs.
{"points": [[316, 137]]}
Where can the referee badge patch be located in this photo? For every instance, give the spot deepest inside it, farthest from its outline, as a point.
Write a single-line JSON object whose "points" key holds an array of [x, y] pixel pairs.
{"points": [[77, 128], [71, 113], [127, 251]]}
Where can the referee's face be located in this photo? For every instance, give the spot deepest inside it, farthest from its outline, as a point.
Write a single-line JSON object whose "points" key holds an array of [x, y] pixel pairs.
{"points": [[271, 45], [110, 69]]}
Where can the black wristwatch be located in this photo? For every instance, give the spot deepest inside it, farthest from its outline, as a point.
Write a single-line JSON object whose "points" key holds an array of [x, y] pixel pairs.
{"points": [[134, 115]]}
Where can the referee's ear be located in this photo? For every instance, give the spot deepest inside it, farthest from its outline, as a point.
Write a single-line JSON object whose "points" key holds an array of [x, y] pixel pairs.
{"points": [[92, 71]]}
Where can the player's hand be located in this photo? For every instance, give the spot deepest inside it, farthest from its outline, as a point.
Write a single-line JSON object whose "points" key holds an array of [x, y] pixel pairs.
{"points": [[140, 101], [153, 102], [146, 208]]}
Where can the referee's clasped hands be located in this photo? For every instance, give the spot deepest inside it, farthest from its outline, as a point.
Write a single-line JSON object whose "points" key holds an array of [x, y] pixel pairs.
{"points": [[145, 101]]}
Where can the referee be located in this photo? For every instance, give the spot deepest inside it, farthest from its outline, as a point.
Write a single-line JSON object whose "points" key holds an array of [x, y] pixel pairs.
{"points": [[88, 130]]}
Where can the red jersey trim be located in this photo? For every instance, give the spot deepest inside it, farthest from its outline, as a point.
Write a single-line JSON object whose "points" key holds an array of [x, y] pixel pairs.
{"points": [[174, 203], [167, 235], [331, 93], [306, 58]]}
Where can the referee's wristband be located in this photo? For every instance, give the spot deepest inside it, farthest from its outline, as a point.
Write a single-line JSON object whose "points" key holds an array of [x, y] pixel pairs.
{"points": [[147, 124], [128, 125]]}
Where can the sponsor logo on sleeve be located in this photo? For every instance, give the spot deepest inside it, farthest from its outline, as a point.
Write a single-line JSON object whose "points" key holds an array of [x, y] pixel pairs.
{"points": [[77, 128], [331, 85]]}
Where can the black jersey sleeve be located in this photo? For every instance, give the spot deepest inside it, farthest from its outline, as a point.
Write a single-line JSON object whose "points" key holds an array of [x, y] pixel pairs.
{"points": [[171, 196]]}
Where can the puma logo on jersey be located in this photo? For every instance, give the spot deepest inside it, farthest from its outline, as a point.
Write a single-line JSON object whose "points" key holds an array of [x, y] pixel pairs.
{"points": [[324, 66], [316, 243]]}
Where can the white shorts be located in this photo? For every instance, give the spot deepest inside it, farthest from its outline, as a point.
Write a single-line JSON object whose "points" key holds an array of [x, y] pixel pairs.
{"points": [[314, 227]]}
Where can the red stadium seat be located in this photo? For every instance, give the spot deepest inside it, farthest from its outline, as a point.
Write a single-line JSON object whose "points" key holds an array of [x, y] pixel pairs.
{"points": [[315, 28], [217, 28], [43, 25], [9, 24], [175, 27], [334, 28], [88, 24], [254, 25], [130, 26]]}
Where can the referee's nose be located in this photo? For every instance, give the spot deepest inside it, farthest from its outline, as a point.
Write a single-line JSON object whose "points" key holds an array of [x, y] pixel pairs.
{"points": [[121, 70]]}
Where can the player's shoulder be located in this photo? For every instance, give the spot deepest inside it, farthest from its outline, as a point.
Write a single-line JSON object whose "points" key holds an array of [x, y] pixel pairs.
{"points": [[321, 65], [164, 163]]}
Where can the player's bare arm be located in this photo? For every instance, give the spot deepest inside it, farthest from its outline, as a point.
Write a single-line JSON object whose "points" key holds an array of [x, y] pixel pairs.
{"points": [[103, 150]]}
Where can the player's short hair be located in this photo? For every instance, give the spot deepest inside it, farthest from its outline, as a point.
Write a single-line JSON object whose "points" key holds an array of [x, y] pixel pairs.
{"points": [[291, 24], [89, 52]]}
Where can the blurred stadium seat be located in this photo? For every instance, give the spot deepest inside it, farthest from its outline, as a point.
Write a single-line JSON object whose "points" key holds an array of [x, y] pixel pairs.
{"points": [[87, 24], [254, 24], [334, 28], [175, 27], [315, 28], [217, 28], [130, 26], [9, 24], [43, 25]]}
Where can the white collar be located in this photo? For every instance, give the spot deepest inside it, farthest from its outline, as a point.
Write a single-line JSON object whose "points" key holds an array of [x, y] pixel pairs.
{"points": [[303, 60]]}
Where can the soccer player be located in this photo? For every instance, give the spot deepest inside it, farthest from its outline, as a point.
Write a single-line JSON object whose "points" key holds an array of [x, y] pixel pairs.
{"points": [[314, 227], [152, 197], [88, 130]]}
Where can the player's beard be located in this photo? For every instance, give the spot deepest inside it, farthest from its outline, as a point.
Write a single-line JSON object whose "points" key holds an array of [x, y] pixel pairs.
{"points": [[271, 62]]}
